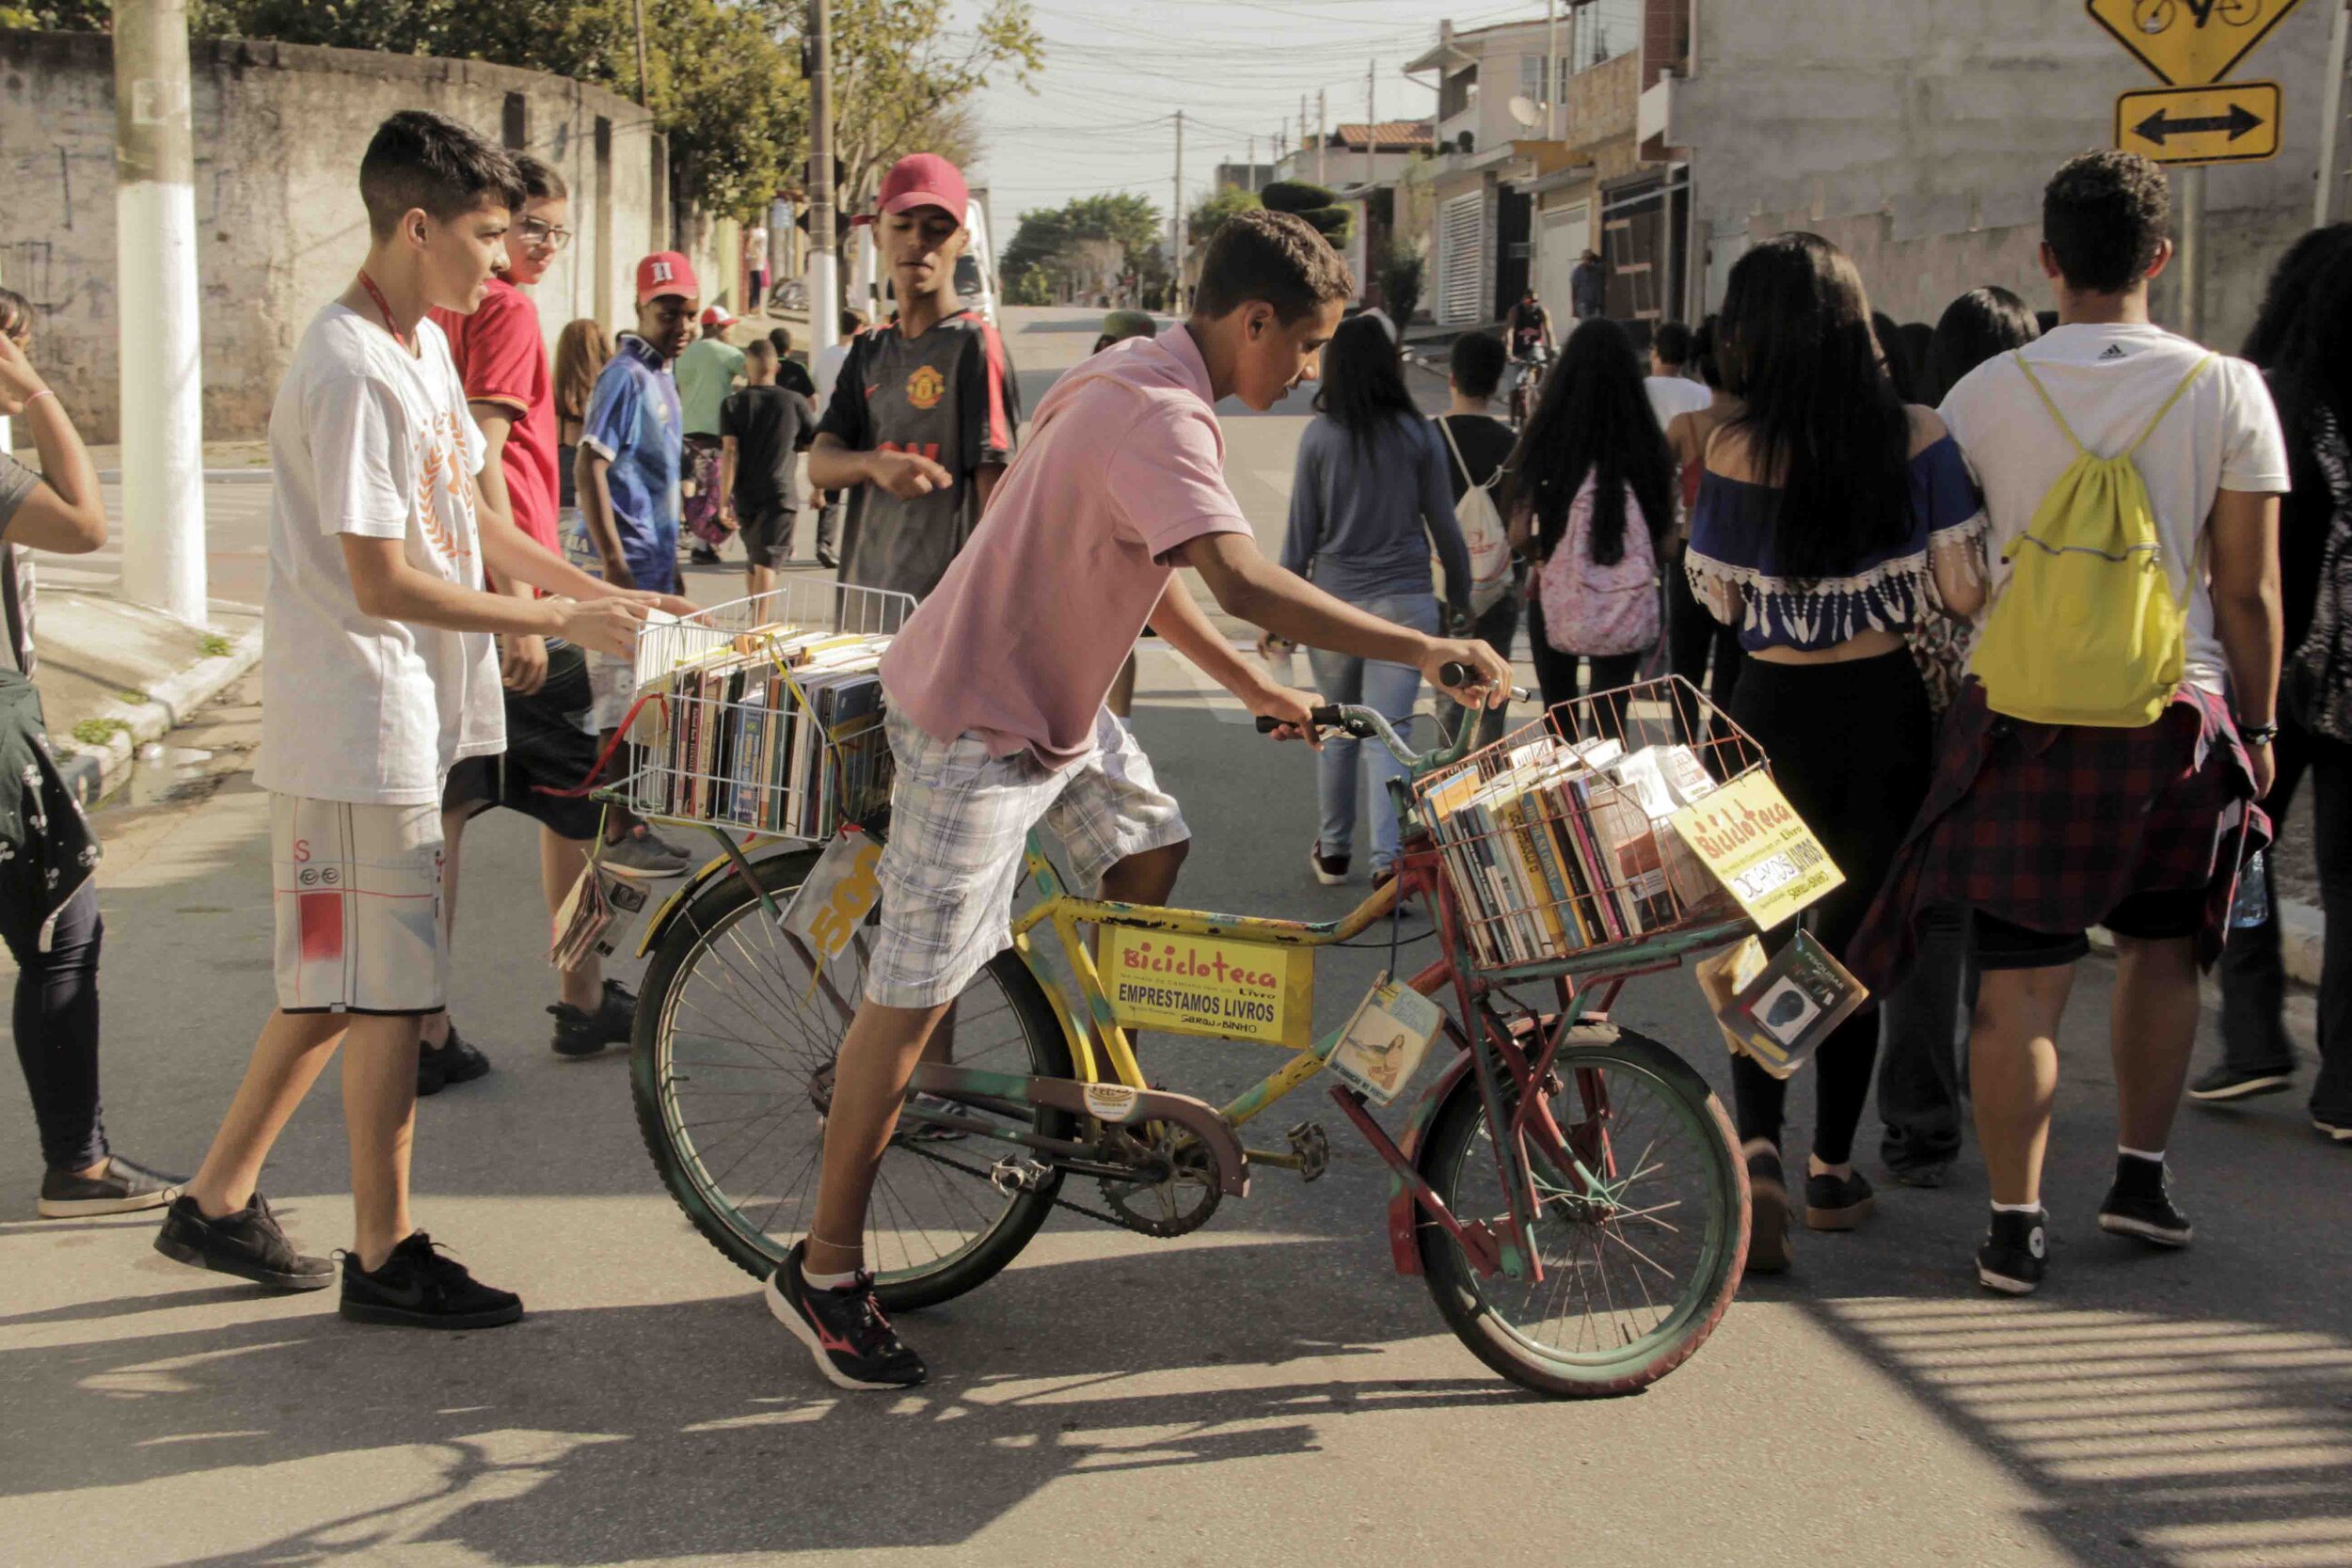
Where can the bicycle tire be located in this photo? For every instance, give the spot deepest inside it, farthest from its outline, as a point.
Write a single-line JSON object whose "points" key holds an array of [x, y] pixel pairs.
{"points": [[742, 1239], [1465, 1299]]}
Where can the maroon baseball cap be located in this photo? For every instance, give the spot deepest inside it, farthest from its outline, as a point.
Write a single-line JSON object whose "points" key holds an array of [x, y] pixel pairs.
{"points": [[666, 271], [924, 179]]}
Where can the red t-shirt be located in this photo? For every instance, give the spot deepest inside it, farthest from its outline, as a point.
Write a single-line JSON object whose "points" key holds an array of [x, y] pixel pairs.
{"points": [[502, 358]]}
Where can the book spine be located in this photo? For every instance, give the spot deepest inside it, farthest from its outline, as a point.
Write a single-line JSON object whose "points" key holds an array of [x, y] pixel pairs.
{"points": [[1605, 891], [1543, 905], [1542, 809]]}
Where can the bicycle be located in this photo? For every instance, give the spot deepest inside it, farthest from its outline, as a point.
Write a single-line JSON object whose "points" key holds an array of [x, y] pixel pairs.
{"points": [[1527, 383], [2156, 16], [1614, 1207]]}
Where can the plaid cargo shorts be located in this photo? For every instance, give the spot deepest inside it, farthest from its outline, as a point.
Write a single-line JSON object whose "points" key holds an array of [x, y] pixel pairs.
{"points": [[959, 819]]}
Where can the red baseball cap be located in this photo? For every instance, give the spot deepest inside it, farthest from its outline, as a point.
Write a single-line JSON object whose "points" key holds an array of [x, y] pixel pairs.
{"points": [[718, 315], [666, 271], [924, 179]]}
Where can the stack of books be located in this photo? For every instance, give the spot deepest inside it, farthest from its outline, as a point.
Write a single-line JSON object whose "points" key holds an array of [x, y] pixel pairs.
{"points": [[778, 733], [1558, 846]]}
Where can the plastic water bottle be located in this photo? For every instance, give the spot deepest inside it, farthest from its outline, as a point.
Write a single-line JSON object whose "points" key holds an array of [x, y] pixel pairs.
{"points": [[2251, 907]]}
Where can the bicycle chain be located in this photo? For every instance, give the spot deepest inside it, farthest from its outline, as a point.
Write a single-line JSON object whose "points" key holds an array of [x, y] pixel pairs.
{"points": [[1056, 1199]]}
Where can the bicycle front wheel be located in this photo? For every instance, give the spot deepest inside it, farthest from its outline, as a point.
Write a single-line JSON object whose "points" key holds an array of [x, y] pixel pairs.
{"points": [[732, 1069], [1638, 1271]]}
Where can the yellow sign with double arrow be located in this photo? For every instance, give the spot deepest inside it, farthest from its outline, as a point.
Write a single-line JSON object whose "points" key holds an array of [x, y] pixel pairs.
{"points": [[2236, 122], [2190, 43]]}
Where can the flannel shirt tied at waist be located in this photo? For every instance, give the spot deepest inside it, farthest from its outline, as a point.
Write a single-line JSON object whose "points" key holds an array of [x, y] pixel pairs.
{"points": [[2051, 826]]}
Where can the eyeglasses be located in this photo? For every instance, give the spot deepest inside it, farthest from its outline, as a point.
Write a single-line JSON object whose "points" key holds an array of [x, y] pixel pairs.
{"points": [[538, 232]]}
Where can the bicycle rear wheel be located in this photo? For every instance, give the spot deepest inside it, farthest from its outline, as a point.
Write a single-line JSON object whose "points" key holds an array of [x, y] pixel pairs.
{"points": [[732, 1066], [1635, 1279]]}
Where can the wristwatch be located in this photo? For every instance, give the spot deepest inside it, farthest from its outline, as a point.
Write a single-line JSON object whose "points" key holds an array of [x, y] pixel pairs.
{"points": [[2258, 735]]}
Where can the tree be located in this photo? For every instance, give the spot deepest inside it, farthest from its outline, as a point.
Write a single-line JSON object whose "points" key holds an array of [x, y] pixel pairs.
{"points": [[1211, 214], [1317, 205], [1081, 239]]}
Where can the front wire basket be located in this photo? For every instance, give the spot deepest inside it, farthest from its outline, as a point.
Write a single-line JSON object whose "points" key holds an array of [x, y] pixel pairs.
{"points": [[725, 733], [1555, 838]]}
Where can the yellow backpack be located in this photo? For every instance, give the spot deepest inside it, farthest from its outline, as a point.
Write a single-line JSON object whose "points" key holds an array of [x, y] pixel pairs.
{"points": [[2087, 630]]}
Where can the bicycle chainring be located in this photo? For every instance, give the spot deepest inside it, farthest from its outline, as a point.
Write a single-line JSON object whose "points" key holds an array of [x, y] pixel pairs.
{"points": [[1174, 1204]]}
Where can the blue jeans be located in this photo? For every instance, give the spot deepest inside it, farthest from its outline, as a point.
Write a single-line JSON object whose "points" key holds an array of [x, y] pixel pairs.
{"points": [[1346, 765]]}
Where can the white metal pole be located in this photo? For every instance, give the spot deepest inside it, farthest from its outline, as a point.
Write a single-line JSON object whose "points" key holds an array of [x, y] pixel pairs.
{"points": [[162, 371], [2191, 259], [824, 280], [2331, 119]]}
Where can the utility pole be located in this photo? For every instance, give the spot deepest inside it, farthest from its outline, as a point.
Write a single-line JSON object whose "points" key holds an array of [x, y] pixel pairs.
{"points": [[1302, 133], [1249, 169], [1323, 138], [163, 368], [1371, 126], [2190, 190], [1552, 69], [638, 9], [1176, 224], [824, 298]]}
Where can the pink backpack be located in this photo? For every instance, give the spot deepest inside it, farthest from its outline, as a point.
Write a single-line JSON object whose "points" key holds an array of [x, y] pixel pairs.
{"points": [[1590, 609]]}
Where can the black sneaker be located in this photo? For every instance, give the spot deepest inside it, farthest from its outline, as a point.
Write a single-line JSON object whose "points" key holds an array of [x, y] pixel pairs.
{"points": [[1330, 870], [1768, 1209], [2015, 1253], [2221, 1085], [248, 1244], [454, 1062], [123, 1188], [583, 1034], [1837, 1202], [2339, 1127], [703, 555], [2139, 1204], [422, 1286], [1925, 1173], [843, 1328]]}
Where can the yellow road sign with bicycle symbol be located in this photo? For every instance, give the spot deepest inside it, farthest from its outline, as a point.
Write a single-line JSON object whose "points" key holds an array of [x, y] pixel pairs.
{"points": [[2190, 43]]}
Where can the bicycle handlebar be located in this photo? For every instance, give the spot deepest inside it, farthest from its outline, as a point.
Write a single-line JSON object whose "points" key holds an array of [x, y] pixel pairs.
{"points": [[1367, 724]]}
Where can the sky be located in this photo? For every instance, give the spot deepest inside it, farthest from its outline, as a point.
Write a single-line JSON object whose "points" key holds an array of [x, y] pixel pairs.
{"points": [[1102, 117]]}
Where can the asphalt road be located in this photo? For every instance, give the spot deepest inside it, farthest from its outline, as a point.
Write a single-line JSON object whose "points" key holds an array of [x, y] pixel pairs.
{"points": [[1264, 1389]]}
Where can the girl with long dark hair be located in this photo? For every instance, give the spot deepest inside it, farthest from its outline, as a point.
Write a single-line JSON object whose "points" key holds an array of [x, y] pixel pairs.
{"points": [[2302, 341], [1591, 467], [1830, 517], [1693, 638], [1973, 328], [1370, 497]]}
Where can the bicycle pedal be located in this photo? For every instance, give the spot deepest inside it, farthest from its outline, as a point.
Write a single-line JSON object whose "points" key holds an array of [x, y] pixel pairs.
{"points": [[1312, 1147]]}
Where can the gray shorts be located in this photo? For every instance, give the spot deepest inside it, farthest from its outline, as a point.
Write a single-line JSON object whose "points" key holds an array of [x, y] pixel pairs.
{"points": [[959, 821], [767, 534]]}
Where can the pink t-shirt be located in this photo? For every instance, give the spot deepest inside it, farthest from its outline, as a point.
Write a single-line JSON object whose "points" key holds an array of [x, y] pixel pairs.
{"points": [[1022, 639]]}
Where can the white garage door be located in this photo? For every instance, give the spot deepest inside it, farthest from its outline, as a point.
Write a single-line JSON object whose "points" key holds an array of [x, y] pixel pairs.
{"points": [[1566, 234], [1462, 283]]}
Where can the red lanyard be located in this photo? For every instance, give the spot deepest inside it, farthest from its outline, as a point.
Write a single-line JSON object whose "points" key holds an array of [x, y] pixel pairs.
{"points": [[384, 308]]}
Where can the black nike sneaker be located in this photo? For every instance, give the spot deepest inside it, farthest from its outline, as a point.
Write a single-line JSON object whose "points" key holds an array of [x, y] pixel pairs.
{"points": [[248, 1244], [580, 1033], [2016, 1252], [422, 1286], [2140, 1204], [454, 1061], [124, 1187], [843, 1328]]}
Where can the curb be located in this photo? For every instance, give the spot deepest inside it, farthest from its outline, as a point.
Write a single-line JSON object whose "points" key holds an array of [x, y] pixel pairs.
{"points": [[94, 771], [211, 476], [2302, 932]]}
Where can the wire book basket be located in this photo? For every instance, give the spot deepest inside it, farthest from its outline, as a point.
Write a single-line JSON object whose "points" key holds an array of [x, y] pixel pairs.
{"points": [[765, 714], [1556, 839]]}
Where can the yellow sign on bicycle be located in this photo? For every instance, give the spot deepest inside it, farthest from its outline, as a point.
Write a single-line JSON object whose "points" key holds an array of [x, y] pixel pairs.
{"points": [[1191, 985], [2190, 43], [1758, 846]]}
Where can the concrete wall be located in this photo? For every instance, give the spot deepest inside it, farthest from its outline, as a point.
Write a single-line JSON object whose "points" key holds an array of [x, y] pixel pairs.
{"points": [[1919, 137], [280, 130]]}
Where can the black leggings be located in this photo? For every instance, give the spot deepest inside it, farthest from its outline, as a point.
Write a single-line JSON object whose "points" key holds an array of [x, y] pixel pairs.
{"points": [[1851, 747], [57, 1026], [1556, 673]]}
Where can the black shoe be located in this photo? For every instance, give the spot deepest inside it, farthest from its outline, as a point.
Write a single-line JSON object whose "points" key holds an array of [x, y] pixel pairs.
{"points": [[2015, 1253], [1405, 909], [2221, 1085], [585, 1034], [829, 561], [703, 555], [1330, 870], [2335, 1126], [248, 1244], [1837, 1202], [1768, 1209], [1927, 1173], [2139, 1204], [454, 1062], [121, 1188], [843, 1328], [421, 1286]]}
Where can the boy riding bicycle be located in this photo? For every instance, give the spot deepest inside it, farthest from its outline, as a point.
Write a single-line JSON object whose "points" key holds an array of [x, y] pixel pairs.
{"points": [[996, 720]]}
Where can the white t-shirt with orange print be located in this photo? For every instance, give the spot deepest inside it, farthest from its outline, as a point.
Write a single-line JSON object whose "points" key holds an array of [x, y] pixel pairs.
{"points": [[368, 438]]}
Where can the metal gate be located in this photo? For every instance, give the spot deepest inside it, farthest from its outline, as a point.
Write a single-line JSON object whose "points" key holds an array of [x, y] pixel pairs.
{"points": [[1462, 258]]}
